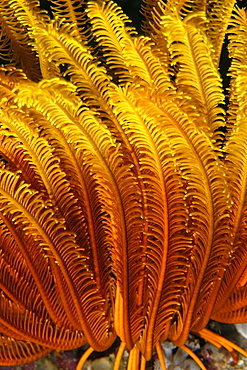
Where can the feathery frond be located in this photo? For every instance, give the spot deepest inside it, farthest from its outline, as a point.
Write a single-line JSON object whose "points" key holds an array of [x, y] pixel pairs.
{"points": [[122, 202]]}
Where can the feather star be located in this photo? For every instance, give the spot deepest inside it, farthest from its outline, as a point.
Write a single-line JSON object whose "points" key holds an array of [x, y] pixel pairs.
{"points": [[123, 179]]}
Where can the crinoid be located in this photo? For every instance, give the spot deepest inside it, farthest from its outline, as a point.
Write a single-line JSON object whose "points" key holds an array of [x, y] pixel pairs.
{"points": [[123, 206]]}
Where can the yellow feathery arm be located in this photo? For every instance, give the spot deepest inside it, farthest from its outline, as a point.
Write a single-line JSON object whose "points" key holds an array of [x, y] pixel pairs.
{"points": [[186, 106], [39, 280], [63, 191], [197, 75], [14, 42], [28, 15], [125, 181], [22, 134], [31, 214], [21, 145], [34, 260], [141, 166], [58, 42], [113, 37], [25, 152], [218, 206], [236, 162], [165, 303], [148, 240], [36, 218], [132, 58], [154, 10], [123, 184], [218, 14], [147, 10], [123, 170], [184, 7], [159, 86], [236, 158], [62, 128], [237, 51], [73, 12], [204, 240], [210, 172], [9, 78], [78, 143]]}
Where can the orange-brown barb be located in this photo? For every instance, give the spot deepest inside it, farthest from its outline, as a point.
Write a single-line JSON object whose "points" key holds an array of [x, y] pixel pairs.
{"points": [[123, 205]]}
